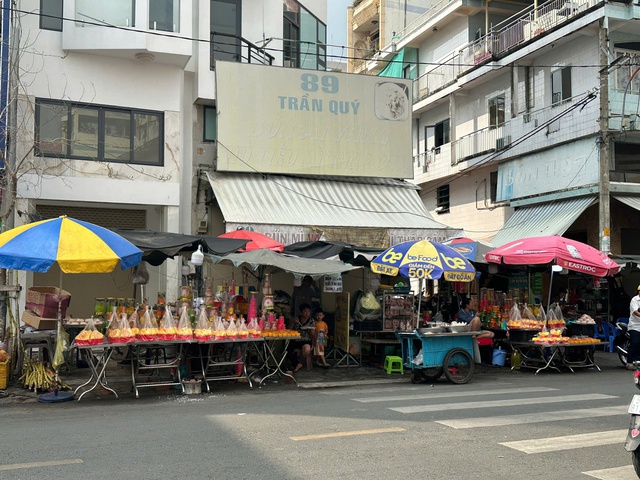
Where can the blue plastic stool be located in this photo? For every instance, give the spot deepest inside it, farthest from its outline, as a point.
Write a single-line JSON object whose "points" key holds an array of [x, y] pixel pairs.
{"points": [[393, 364]]}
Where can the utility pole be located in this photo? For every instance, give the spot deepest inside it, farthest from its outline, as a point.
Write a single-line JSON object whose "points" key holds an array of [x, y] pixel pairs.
{"points": [[604, 219]]}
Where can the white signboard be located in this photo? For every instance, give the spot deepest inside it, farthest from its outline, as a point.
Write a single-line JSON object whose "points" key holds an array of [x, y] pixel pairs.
{"points": [[541, 173], [333, 283], [294, 121]]}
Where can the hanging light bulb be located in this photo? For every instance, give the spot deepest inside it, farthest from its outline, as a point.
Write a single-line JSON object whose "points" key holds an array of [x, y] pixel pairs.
{"points": [[197, 257]]}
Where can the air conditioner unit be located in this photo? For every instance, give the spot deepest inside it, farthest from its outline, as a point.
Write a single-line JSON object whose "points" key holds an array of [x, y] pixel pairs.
{"points": [[526, 118], [503, 142]]}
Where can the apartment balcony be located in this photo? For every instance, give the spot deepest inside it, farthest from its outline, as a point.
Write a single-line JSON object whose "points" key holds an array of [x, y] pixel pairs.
{"points": [[366, 15], [503, 39], [482, 142], [233, 48], [130, 29]]}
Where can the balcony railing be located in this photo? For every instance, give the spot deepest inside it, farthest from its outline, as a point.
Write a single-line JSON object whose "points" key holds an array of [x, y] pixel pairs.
{"points": [[502, 39], [422, 160], [493, 139], [234, 48]]}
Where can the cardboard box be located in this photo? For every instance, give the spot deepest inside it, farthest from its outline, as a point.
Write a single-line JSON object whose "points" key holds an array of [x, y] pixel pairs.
{"points": [[37, 322], [43, 301]]}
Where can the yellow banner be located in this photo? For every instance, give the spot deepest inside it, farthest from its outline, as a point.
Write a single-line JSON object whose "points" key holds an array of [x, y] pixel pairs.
{"points": [[341, 334]]}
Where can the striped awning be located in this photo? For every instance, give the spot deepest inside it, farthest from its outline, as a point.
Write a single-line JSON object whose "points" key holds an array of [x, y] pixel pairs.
{"points": [[633, 202], [283, 200], [552, 218]]}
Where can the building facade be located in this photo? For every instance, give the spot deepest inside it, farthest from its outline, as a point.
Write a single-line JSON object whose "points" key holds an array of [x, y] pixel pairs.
{"points": [[525, 116]]}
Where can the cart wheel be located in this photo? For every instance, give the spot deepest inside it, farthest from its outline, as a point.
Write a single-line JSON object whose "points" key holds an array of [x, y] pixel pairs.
{"points": [[458, 366], [431, 374], [416, 377]]}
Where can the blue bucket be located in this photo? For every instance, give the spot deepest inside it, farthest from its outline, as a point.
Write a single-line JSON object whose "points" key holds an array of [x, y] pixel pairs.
{"points": [[499, 357]]}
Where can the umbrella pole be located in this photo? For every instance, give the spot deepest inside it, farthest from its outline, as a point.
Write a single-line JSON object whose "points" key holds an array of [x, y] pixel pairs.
{"points": [[550, 285], [419, 302]]}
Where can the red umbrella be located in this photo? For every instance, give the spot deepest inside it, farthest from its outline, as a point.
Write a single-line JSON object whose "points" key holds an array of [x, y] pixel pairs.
{"points": [[257, 240], [569, 254]]}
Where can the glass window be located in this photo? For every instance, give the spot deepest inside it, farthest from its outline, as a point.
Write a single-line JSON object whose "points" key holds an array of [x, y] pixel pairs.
{"points": [[51, 130], [309, 39], [100, 133], [560, 85], [496, 111], [146, 140], [164, 15], [226, 30], [442, 132], [626, 69], [83, 135], [210, 124], [113, 12], [442, 199], [51, 15]]}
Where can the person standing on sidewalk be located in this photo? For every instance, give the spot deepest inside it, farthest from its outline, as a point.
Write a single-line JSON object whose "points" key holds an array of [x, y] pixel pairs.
{"points": [[634, 330]]}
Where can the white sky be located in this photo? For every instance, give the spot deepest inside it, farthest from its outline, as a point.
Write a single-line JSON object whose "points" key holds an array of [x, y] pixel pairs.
{"points": [[337, 25]]}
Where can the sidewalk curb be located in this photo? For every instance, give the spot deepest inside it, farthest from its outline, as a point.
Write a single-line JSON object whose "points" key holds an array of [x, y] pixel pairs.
{"points": [[353, 383]]}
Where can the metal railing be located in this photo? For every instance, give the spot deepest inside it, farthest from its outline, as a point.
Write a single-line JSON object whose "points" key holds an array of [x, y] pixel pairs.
{"points": [[234, 48], [502, 39], [481, 142]]}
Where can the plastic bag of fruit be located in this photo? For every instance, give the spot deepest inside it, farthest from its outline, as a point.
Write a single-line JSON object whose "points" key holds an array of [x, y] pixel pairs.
{"points": [[184, 325], [148, 332], [514, 313], [232, 330], [89, 335], [62, 346], [254, 329], [243, 331], [203, 332], [219, 329], [168, 331], [120, 332]]}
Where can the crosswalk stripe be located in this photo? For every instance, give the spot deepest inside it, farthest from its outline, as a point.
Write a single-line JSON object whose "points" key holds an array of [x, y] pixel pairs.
{"points": [[501, 403], [617, 473], [394, 389], [451, 394], [534, 417], [568, 442]]}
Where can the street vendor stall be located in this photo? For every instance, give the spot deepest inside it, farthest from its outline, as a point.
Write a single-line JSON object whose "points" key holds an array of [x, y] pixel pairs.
{"points": [[538, 337]]}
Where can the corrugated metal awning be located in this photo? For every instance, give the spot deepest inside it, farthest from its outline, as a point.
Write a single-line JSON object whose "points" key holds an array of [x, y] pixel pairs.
{"points": [[633, 202], [553, 218], [283, 200]]}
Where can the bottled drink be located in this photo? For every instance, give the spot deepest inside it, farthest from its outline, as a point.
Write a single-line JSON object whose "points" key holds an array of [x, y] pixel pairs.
{"points": [[516, 360]]}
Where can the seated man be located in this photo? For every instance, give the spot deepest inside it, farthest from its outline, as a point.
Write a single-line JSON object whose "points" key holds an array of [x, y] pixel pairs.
{"points": [[468, 315]]}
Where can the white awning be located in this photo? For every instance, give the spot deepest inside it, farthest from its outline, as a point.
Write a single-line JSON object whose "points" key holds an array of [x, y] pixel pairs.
{"points": [[633, 202], [553, 218], [282, 200]]}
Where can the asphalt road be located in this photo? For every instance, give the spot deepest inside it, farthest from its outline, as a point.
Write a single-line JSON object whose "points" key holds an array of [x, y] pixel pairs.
{"points": [[508, 426]]}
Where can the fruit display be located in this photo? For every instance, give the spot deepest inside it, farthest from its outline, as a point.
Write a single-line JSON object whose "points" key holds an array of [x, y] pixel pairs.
{"points": [[583, 341], [284, 333], [148, 331], [119, 331], [184, 331], [4, 356], [35, 376], [89, 336], [525, 324], [554, 337], [81, 322], [585, 320], [554, 323], [203, 331], [168, 330]]}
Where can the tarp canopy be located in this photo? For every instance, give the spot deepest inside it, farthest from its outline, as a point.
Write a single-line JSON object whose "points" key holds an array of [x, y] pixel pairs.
{"points": [[355, 255], [158, 246], [394, 67], [299, 267]]}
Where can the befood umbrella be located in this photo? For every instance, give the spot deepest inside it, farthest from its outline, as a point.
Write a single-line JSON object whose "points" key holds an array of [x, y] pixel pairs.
{"points": [[424, 260], [256, 240]]}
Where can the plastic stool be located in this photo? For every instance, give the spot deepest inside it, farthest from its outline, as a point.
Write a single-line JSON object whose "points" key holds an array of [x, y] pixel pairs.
{"points": [[393, 364]]}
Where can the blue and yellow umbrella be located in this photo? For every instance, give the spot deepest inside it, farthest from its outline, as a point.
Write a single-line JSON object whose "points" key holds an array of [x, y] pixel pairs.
{"points": [[77, 247], [424, 260]]}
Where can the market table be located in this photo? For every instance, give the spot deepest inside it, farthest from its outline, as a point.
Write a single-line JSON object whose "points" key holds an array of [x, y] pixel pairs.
{"points": [[140, 362], [271, 356], [543, 356], [97, 357], [213, 362]]}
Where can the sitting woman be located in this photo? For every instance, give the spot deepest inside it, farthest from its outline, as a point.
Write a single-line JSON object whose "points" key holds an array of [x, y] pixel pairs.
{"points": [[300, 351], [469, 316]]}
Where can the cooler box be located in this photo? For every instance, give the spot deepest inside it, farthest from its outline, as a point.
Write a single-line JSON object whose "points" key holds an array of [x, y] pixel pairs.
{"points": [[43, 301]]}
